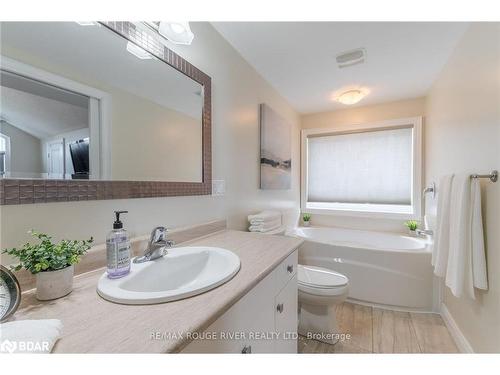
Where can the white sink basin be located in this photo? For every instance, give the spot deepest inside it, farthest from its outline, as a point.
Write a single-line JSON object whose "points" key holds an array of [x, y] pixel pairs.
{"points": [[183, 272]]}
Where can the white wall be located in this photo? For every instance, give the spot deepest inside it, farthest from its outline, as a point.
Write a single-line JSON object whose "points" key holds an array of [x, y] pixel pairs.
{"points": [[463, 135], [362, 115], [25, 151], [237, 91], [154, 143]]}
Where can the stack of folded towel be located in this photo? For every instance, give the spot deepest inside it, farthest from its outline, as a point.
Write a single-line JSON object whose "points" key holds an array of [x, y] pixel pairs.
{"points": [[264, 221]]}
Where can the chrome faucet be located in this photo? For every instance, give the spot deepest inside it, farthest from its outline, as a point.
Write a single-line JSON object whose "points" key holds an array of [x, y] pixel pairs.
{"points": [[424, 232], [157, 245]]}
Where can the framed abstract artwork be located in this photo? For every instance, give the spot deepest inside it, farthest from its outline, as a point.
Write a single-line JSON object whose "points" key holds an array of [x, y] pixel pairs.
{"points": [[275, 150]]}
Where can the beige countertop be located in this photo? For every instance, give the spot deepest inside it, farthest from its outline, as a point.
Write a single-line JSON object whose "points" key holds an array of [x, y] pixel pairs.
{"points": [[92, 324]]}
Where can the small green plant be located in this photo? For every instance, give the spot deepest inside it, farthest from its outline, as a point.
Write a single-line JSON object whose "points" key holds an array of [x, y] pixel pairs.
{"points": [[412, 224], [306, 217], [48, 256]]}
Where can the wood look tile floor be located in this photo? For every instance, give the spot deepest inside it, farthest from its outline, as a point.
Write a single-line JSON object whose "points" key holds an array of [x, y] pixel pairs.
{"points": [[375, 330]]}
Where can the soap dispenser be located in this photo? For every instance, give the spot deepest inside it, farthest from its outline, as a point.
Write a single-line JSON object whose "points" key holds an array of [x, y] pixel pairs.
{"points": [[118, 249]]}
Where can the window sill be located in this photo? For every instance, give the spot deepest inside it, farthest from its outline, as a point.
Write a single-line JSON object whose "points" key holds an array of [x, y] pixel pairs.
{"points": [[375, 211]]}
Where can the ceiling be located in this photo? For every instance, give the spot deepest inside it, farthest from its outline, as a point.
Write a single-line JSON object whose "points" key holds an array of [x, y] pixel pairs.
{"points": [[298, 58], [41, 116]]}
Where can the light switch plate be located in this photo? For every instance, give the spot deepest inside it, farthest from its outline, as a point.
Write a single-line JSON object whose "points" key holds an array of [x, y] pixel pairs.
{"points": [[218, 187]]}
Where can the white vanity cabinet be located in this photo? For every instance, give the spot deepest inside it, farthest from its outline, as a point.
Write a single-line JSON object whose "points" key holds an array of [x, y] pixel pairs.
{"points": [[263, 321], [286, 318]]}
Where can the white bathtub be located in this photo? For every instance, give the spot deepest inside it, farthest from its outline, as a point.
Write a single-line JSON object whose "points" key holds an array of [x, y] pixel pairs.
{"points": [[383, 268]]}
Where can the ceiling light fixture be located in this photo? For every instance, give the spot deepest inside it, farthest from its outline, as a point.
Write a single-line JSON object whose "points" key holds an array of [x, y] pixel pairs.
{"points": [[138, 52], [176, 32], [351, 96]]}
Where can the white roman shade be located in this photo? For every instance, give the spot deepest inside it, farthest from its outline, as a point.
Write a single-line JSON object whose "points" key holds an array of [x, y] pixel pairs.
{"points": [[366, 167]]}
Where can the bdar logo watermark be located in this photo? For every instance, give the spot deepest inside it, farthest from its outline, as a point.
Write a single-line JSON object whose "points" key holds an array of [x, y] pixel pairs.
{"points": [[7, 346]]}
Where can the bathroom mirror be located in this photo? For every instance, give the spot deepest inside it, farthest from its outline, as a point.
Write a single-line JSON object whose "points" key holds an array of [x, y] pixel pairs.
{"points": [[102, 101]]}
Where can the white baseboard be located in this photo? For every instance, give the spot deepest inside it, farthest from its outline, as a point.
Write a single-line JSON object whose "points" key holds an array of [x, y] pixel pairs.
{"points": [[462, 344]]}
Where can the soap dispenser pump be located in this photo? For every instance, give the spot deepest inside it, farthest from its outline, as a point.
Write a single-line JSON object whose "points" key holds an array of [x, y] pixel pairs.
{"points": [[118, 249]]}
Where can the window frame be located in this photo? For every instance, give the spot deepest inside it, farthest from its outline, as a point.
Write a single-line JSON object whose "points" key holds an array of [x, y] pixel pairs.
{"points": [[417, 159], [7, 155]]}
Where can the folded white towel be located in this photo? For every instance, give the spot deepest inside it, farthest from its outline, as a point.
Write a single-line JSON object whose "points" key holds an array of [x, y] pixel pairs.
{"points": [[264, 228], [266, 224], [264, 216], [29, 336], [442, 236], [479, 270], [281, 230], [459, 269]]}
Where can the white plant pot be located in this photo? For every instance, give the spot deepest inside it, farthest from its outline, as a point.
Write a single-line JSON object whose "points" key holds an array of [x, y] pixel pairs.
{"points": [[306, 223], [412, 233], [54, 284]]}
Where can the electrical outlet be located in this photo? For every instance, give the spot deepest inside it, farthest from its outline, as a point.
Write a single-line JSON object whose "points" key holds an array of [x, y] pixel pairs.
{"points": [[218, 187]]}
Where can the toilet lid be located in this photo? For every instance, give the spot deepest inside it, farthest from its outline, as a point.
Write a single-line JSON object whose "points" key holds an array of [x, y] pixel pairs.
{"points": [[320, 277]]}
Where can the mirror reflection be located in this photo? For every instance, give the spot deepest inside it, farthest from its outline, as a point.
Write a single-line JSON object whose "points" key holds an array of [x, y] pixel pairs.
{"points": [[81, 102]]}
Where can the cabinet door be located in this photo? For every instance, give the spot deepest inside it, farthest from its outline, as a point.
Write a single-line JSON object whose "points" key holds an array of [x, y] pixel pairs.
{"points": [[286, 318], [251, 315]]}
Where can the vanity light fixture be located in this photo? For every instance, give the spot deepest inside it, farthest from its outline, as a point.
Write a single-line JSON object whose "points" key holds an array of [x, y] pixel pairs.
{"points": [[138, 52], [351, 96], [87, 23], [176, 32]]}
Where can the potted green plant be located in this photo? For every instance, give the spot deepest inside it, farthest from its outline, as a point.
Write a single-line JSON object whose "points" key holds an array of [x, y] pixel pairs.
{"points": [[412, 226], [306, 219], [52, 263]]}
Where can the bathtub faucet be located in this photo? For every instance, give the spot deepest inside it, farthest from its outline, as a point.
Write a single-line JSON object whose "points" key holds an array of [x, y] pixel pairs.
{"points": [[424, 232]]}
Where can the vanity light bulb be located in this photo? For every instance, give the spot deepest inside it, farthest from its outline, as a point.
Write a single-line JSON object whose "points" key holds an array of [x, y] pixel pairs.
{"points": [[176, 32], [177, 28], [86, 23], [138, 52]]}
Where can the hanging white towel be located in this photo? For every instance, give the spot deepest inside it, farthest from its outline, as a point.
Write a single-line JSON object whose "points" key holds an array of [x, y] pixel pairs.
{"points": [[442, 236], [479, 269], [29, 336], [459, 269]]}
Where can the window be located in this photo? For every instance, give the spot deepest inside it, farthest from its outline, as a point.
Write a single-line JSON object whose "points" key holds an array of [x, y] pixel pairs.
{"points": [[367, 170], [4, 154]]}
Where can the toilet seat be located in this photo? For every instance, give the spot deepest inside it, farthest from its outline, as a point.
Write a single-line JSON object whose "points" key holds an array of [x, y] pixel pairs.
{"points": [[320, 281], [320, 278]]}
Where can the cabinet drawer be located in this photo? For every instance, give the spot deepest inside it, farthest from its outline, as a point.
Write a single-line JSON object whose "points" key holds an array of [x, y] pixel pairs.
{"points": [[286, 271]]}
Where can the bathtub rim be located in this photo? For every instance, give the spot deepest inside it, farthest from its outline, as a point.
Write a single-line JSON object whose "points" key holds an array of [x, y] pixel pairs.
{"points": [[426, 249]]}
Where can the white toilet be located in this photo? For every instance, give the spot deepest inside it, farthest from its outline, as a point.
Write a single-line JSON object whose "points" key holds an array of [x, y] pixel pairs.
{"points": [[320, 290]]}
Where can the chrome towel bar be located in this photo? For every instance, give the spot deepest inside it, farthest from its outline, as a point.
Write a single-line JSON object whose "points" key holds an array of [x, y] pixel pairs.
{"points": [[493, 176], [431, 189]]}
